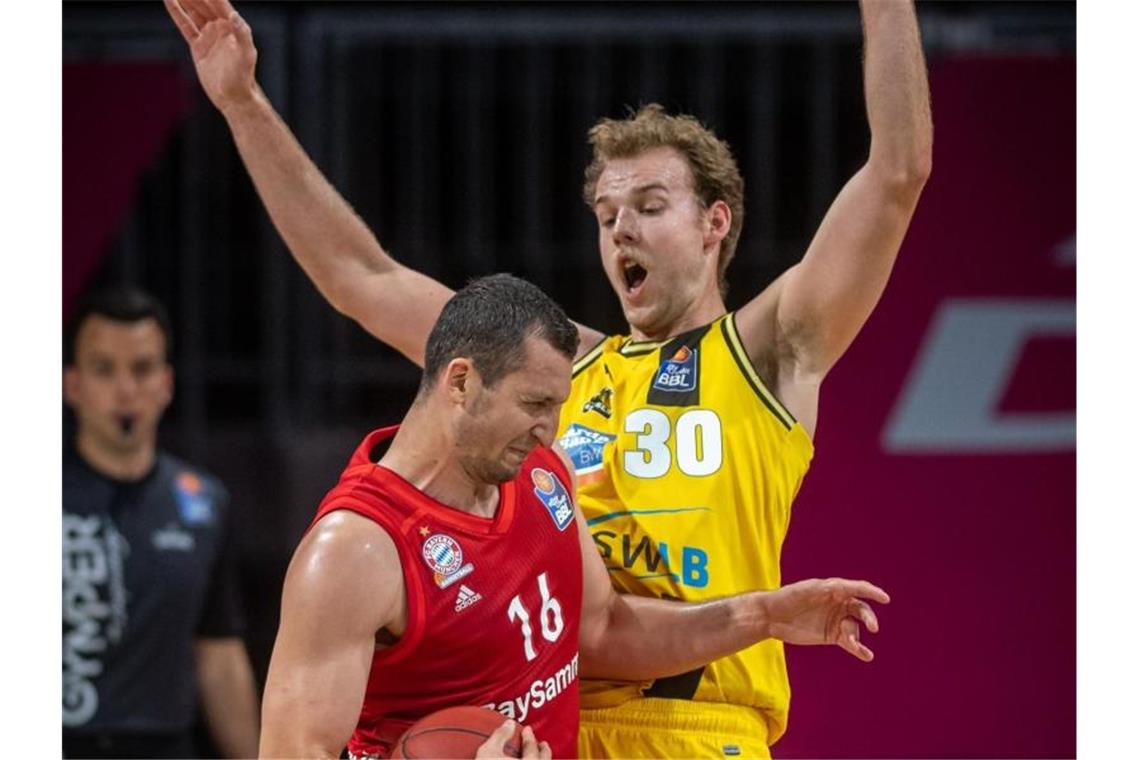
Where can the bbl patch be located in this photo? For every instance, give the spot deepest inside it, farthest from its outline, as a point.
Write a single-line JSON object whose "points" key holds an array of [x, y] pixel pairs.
{"points": [[552, 494], [678, 373], [195, 507], [676, 381], [444, 556], [584, 446]]}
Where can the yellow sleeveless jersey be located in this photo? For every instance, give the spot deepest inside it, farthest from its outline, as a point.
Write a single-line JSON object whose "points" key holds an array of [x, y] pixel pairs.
{"points": [[687, 466]]}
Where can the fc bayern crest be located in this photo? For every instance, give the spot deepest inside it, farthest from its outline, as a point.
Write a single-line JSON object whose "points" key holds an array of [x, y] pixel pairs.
{"points": [[444, 556]]}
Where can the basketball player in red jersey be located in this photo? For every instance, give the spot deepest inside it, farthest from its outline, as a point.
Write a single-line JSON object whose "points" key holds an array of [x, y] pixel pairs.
{"points": [[456, 568]]}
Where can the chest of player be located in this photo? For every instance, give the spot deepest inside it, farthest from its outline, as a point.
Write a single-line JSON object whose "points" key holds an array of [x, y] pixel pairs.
{"points": [[684, 460], [621, 421], [498, 609]]}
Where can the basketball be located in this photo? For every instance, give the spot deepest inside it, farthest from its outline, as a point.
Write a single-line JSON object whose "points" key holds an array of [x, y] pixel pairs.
{"points": [[454, 732]]}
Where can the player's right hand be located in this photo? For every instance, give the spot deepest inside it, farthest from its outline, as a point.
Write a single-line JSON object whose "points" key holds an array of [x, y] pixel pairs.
{"points": [[221, 45], [494, 747]]}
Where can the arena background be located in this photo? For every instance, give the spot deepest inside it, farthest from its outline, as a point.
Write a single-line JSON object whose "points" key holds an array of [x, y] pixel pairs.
{"points": [[945, 460]]}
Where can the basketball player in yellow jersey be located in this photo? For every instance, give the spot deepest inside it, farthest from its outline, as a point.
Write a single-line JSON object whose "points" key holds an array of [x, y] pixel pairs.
{"points": [[686, 470], [692, 434]]}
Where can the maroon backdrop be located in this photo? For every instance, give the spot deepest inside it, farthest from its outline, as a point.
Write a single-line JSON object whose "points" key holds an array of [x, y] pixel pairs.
{"points": [[945, 463], [104, 160]]}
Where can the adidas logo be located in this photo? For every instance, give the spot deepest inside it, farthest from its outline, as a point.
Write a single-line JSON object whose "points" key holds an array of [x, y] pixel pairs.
{"points": [[466, 598]]}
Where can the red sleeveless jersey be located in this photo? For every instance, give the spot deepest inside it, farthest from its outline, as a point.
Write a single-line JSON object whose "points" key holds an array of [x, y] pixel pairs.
{"points": [[493, 603]]}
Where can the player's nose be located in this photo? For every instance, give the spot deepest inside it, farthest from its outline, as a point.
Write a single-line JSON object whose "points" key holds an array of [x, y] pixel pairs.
{"points": [[125, 385], [625, 227], [546, 429]]}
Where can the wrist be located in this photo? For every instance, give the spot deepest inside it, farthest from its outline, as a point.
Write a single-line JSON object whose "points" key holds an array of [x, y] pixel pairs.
{"points": [[750, 614], [249, 104]]}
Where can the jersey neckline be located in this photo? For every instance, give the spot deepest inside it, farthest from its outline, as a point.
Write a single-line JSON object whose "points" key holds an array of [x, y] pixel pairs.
{"points": [[644, 346], [445, 513]]}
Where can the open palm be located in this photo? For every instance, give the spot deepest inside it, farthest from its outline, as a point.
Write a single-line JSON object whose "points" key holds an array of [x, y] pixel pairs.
{"points": [[221, 45], [826, 611]]}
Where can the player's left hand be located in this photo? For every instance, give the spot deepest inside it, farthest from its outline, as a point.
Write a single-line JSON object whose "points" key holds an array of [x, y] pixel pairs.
{"points": [[825, 611]]}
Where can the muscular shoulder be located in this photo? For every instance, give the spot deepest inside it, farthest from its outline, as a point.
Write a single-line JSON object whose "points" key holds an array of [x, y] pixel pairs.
{"points": [[346, 568]]}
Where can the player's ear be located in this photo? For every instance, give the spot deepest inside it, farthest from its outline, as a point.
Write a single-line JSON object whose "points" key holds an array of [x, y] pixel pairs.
{"points": [[70, 385], [458, 377], [718, 221], [167, 385]]}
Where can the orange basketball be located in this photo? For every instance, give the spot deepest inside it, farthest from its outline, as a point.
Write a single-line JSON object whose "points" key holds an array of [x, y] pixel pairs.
{"points": [[454, 732]]}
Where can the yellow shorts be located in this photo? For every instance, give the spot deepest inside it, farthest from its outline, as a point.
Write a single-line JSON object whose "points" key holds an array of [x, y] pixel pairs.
{"points": [[650, 727]]}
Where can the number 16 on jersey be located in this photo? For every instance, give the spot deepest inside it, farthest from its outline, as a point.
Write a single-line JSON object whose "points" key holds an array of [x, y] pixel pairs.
{"points": [[549, 616]]}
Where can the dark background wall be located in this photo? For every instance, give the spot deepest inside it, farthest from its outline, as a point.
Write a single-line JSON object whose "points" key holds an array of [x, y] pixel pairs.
{"points": [[458, 133]]}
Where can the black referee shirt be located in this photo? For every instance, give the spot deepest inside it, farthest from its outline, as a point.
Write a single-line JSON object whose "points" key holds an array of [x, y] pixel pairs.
{"points": [[147, 569]]}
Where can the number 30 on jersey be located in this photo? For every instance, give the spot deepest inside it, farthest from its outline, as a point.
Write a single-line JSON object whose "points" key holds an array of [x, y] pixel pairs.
{"points": [[694, 445]]}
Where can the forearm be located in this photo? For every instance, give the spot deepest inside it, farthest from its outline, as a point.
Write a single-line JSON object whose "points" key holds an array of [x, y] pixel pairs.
{"points": [[821, 304], [653, 638], [328, 239], [309, 711], [897, 92], [228, 696], [288, 740]]}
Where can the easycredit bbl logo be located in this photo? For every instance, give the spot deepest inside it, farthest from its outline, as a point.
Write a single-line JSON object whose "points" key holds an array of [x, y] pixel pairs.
{"points": [[678, 373]]}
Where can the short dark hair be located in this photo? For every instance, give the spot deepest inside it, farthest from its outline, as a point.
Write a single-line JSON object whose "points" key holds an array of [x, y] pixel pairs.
{"points": [[488, 322], [121, 304]]}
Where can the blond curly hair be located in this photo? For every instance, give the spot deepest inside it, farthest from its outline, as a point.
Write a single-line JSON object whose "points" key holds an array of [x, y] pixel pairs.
{"points": [[715, 173]]}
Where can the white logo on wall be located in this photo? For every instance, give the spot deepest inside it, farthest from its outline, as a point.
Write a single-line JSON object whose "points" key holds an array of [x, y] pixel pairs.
{"points": [[950, 401], [94, 609]]}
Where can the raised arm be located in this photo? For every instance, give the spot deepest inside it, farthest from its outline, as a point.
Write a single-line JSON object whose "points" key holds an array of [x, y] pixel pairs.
{"points": [[338, 252], [335, 248], [327, 636], [799, 326]]}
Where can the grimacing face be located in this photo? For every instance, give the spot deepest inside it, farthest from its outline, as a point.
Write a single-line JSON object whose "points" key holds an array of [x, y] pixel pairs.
{"points": [[502, 424], [651, 234], [120, 384]]}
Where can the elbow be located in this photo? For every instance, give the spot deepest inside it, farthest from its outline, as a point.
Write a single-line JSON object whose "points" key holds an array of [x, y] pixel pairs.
{"points": [[905, 178], [903, 168], [349, 300], [919, 166], [591, 657], [339, 294]]}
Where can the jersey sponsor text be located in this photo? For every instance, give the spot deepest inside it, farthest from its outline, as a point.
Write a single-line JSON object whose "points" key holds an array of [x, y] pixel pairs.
{"points": [[542, 691]]}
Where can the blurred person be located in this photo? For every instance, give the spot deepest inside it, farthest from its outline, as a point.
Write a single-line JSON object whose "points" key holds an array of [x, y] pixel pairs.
{"points": [[450, 565], [151, 620], [691, 435]]}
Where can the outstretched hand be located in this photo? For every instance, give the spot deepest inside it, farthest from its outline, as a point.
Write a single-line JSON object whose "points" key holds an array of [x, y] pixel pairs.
{"points": [[825, 612], [221, 45]]}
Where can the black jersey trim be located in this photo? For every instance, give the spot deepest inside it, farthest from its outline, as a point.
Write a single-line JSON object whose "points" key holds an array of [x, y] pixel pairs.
{"points": [[588, 358], [633, 347], [680, 686], [736, 349]]}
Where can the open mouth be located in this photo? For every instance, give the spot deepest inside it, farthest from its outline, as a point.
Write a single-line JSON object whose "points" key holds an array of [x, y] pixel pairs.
{"points": [[634, 275], [126, 423]]}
